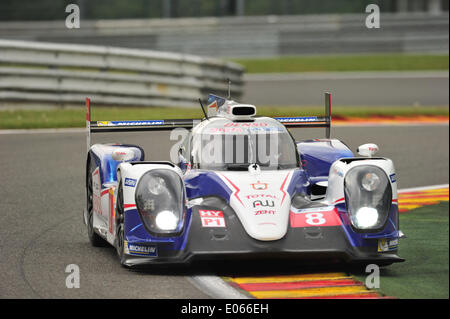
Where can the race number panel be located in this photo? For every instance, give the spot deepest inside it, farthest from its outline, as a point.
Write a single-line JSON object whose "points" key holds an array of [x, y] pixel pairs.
{"points": [[315, 217]]}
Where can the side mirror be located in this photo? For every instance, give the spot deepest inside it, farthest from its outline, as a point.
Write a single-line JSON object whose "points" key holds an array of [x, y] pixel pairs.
{"points": [[122, 154], [367, 150]]}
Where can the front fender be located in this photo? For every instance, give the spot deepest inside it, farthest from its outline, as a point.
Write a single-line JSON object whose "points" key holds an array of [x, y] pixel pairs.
{"points": [[130, 175]]}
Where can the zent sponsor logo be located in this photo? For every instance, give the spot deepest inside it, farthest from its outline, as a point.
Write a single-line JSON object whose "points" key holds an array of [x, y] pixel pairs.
{"points": [[265, 212]]}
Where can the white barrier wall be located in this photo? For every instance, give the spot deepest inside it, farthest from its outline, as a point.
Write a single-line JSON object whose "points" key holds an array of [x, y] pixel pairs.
{"points": [[49, 74]]}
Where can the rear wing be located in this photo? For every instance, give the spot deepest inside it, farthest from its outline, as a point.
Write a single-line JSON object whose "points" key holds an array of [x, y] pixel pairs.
{"points": [[132, 126], [167, 125], [311, 121]]}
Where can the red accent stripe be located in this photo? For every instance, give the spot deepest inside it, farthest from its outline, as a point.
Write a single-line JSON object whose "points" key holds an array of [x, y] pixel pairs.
{"points": [[267, 224], [353, 296], [401, 197], [125, 206], [282, 187], [111, 212], [424, 193], [421, 203], [338, 200], [104, 192], [88, 109], [299, 285], [237, 190]]}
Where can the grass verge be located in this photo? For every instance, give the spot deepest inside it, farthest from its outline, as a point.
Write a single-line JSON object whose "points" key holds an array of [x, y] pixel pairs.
{"points": [[379, 62], [65, 118], [425, 272]]}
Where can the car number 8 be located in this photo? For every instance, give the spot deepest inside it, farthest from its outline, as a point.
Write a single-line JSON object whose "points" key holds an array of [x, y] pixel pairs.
{"points": [[315, 219]]}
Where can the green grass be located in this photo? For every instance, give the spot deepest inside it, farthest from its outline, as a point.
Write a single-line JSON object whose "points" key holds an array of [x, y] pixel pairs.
{"points": [[381, 62], [425, 272], [71, 117]]}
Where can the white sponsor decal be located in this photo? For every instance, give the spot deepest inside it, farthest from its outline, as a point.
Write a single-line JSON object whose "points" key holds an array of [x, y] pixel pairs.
{"points": [[96, 192], [312, 210], [212, 218]]}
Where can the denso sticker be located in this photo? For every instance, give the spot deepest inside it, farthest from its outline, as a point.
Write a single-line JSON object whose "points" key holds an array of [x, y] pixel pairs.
{"points": [[130, 182], [212, 218], [140, 250]]}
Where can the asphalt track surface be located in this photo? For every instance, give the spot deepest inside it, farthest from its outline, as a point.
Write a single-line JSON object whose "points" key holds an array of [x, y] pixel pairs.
{"points": [[426, 88], [43, 195]]}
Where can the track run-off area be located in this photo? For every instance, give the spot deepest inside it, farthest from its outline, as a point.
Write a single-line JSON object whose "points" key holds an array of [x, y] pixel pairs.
{"points": [[42, 229], [341, 285]]}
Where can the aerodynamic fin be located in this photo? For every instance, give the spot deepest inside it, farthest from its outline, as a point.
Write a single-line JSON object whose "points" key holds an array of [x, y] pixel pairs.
{"points": [[311, 121], [213, 102], [128, 126], [88, 123]]}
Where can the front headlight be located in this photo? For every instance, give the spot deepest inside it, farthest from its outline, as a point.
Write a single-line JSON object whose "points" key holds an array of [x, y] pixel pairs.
{"points": [[156, 185], [160, 201], [368, 195], [370, 181], [366, 217], [166, 220]]}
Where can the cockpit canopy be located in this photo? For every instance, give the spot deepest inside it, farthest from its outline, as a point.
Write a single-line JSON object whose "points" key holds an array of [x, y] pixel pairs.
{"points": [[224, 144]]}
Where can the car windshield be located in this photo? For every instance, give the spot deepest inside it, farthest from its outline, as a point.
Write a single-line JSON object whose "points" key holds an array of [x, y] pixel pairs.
{"points": [[234, 146]]}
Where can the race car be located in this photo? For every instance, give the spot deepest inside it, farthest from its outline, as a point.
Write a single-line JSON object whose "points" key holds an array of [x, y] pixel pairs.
{"points": [[240, 187]]}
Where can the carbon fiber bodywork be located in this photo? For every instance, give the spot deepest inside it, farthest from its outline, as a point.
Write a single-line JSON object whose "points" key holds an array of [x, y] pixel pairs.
{"points": [[301, 244]]}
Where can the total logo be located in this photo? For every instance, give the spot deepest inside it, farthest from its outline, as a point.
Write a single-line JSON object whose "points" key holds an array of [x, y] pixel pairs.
{"points": [[253, 196]]}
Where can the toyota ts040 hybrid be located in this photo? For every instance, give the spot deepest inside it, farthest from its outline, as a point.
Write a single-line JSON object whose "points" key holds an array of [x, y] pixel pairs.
{"points": [[241, 187]]}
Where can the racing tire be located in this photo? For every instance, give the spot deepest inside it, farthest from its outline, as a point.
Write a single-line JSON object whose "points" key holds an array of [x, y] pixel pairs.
{"points": [[120, 230], [94, 238]]}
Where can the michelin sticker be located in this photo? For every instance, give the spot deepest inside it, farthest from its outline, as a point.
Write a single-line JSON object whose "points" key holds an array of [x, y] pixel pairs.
{"points": [[139, 250], [387, 244]]}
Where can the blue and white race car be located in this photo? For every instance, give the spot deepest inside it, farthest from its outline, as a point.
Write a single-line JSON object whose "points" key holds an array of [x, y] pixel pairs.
{"points": [[241, 187]]}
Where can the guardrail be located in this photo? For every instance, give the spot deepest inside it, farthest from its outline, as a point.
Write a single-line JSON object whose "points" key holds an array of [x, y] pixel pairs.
{"points": [[252, 36], [49, 74]]}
